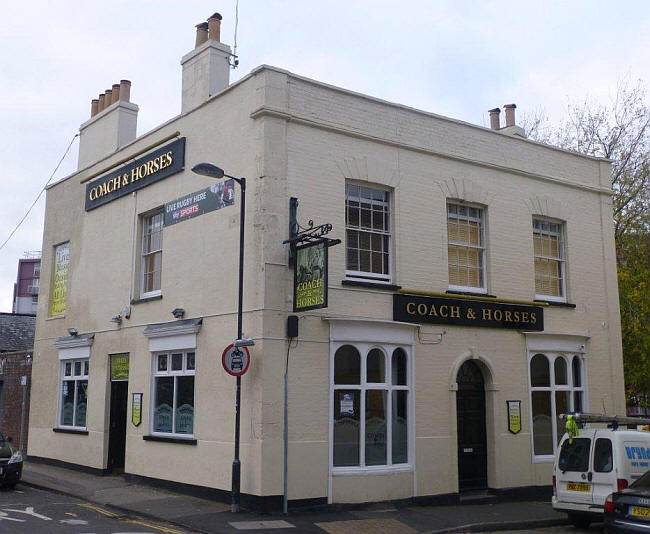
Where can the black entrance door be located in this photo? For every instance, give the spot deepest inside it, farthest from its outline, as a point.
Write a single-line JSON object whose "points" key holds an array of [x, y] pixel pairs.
{"points": [[470, 411], [117, 431]]}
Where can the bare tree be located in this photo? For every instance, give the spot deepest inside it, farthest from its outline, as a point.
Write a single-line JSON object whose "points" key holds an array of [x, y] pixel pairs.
{"points": [[620, 132]]}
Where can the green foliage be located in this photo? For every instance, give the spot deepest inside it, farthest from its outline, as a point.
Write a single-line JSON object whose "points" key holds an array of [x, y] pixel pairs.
{"points": [[634, 290]]}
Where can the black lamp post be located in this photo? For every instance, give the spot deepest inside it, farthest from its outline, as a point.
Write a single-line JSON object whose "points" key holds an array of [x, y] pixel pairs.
{"points": [[207, 169]]}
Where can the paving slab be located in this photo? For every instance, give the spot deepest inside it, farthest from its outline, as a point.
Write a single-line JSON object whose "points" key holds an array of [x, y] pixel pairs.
{"points": [[261, 525], [367, 526]]}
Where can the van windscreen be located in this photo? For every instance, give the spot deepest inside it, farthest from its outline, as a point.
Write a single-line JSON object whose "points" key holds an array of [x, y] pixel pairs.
{"points": [[575, 456]]}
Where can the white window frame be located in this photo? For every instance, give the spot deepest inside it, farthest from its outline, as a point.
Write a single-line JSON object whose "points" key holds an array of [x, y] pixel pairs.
{"points": [[481, 247], [175, 374], [552, 355], [144, 224], [364, 349], [367, 276], [85, 368], [561, 259]]}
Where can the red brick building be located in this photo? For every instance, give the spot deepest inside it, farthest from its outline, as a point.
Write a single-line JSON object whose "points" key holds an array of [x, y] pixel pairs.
{"points": [[16, 344]]}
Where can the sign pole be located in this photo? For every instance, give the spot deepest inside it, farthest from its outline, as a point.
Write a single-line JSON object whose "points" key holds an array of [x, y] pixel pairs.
{"points": [[236, 464], [285, 497]]}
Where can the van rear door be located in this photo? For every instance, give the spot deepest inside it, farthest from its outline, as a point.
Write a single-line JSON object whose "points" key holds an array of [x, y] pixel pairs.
{"points": [[602, 469], [572, 469]]}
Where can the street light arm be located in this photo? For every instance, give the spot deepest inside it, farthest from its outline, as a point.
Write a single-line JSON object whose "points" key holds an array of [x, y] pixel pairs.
{"points": [[240, 181]]}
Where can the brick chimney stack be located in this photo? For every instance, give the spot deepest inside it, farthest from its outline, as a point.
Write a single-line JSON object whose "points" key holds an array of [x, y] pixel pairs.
{"points": [[112, 124], [510, 114], [206, 69], [495, 118]]}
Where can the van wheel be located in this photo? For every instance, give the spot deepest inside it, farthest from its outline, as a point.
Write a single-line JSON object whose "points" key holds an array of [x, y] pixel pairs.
{"points": [[579, 521]]}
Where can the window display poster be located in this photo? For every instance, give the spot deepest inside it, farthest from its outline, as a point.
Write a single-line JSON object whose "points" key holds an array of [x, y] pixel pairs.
{"points": [[59, 279], [119, 367], [347, 404], [310, 277], [136, 409], [514, 416]]}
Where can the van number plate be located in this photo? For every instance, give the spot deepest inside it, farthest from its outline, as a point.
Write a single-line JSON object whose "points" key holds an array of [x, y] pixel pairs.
{"points": [[578, 486], [639, 511]]}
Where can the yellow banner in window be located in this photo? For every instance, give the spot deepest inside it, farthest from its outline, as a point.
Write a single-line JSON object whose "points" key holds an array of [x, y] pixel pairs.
{"points": [[60, 279]]}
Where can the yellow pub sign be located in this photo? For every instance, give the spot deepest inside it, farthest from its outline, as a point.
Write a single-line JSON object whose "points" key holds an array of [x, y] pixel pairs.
{"points": [[136, 174], [467, 312]]}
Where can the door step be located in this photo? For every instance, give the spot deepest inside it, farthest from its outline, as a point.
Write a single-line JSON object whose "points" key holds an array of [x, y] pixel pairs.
{"points": [[477, 497]]}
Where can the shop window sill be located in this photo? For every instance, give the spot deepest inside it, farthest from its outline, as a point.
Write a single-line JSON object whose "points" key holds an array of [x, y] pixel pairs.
{"points": [[169, 439], [371, 285], [146, 299], [470, 293], [556, 303], [70, 431], [377, 470]]}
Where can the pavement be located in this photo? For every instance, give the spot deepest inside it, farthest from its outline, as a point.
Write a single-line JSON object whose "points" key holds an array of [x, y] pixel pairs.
{"points": [[207, 516]]}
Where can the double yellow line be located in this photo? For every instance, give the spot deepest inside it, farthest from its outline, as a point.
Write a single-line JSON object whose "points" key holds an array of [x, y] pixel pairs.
{"points": [[106, 513]]}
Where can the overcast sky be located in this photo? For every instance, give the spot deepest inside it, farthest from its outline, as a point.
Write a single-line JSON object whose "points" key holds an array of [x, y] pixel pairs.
{"points": [[455, 58]]}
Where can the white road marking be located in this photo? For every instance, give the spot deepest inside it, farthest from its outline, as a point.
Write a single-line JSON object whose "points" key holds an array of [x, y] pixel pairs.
{"points": [[73, 521], [29, 511], [5, 517]]}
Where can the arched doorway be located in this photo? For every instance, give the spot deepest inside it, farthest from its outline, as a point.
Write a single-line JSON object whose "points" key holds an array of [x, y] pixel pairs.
{"points": [[470, 414]]}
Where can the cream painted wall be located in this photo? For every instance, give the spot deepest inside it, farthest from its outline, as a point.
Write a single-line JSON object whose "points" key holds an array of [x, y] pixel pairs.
{"points": [[330, 136], [293, 137]]}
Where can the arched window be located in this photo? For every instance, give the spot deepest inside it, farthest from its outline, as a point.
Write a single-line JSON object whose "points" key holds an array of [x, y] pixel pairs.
{"points": [[539, 373], [347, 365], [371, 398], [376, 366], [560, 371], [552, 395]]}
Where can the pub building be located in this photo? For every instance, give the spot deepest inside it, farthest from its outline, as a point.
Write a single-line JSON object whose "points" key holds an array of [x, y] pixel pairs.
{"points": [[471, 300]]}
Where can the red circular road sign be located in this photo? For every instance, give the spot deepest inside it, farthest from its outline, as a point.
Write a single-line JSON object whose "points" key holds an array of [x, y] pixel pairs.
{"points": [[235, 360]]}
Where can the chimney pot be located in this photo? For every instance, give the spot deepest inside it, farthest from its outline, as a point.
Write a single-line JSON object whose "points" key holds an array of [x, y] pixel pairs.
{"points": [[100, 104], [108, 98], [214, 27], [115, 93], [94, 104], [125, 90], [201, 34], [495, 118], [510, 114]]}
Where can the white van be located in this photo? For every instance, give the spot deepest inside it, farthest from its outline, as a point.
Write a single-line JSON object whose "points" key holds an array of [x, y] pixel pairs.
{"points": [[596, 463]]}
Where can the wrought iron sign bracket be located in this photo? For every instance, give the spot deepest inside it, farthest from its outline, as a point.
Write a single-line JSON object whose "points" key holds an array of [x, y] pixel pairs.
{"points": [[300, 235]]}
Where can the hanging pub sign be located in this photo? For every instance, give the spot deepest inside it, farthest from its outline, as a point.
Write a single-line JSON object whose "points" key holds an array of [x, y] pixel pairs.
{"points": [[310, 277], [467, 312], [139, 173], [514, 416], [136, 409], [212, 198]]}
